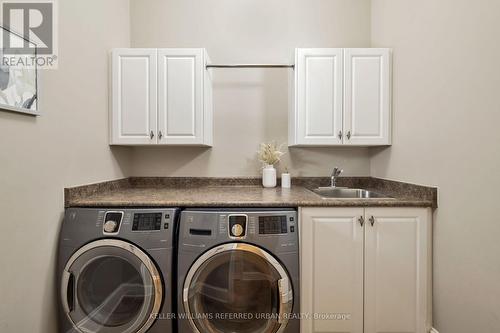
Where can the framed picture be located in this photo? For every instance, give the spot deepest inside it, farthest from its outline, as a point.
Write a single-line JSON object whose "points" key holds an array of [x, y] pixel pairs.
{"points": [[18, 74]]}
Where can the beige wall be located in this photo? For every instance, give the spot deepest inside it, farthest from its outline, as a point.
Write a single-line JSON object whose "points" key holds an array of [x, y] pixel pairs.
{"points": [[446, 133], [250, 105], [40, 156]]}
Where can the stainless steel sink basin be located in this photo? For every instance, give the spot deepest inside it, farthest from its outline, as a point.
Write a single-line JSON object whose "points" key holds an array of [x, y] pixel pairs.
{"points": [[347, 193]]}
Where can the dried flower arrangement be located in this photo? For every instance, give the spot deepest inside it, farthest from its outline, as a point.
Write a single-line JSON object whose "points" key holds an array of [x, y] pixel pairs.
{"points": [[270, 153]]}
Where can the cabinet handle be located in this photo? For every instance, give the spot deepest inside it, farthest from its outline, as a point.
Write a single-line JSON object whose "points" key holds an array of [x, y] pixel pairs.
{"points": [[340, 135], [372, 220], [349, 135], [160, 135], [361, 220], [151, 135]]}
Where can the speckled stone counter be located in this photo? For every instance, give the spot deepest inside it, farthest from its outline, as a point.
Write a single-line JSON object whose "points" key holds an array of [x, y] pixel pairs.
{"points": [[241, 192]]}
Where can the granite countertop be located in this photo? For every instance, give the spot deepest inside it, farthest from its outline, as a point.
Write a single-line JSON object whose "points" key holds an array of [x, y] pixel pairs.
{"points": [[241, 192]]}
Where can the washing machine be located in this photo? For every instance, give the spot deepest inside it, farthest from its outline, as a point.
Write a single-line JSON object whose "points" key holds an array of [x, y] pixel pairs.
{"points": [[115, 270], [238, 271]]}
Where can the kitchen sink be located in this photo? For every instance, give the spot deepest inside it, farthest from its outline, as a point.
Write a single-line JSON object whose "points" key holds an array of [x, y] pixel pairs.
{"points": [[347, 193]]}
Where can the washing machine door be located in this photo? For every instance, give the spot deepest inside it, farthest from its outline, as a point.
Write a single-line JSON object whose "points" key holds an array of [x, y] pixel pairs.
{"points": [[111, 286], [237, 287]]}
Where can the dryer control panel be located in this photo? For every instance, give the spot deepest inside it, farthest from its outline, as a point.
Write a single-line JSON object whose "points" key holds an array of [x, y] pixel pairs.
{"points": [[274, 229]]}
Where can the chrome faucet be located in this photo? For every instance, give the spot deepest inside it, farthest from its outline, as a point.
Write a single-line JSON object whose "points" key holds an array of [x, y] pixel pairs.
{"points": [[335, 174]]}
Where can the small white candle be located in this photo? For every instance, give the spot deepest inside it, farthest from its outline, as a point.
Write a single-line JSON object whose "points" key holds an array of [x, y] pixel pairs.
{"points": [[286, 180]]}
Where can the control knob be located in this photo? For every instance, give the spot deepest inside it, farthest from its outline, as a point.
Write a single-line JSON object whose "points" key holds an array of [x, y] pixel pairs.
{"points": [[237, 230], [110, 226]]}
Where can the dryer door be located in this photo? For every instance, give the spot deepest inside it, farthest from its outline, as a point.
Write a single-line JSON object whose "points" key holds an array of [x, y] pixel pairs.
{"points": [[111, 286], [237, 287]]}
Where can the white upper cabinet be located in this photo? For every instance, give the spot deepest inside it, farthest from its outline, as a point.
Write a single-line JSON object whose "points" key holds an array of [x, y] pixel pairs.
{"points": [[319, 96], [133, 114], [341, 97], [367, 97], [177, 93], [182, 90]]}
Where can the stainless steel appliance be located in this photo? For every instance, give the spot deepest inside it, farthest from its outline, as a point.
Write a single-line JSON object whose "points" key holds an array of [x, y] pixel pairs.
{"points": [[114, 270], [238, 271]]}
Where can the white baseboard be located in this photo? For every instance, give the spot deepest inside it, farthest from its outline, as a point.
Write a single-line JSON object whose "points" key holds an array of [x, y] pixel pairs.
{"points": [[433, 330]]}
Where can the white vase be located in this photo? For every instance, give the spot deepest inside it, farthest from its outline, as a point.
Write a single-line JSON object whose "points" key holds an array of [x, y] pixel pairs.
{"points": [[269, 176], [286, 181]]}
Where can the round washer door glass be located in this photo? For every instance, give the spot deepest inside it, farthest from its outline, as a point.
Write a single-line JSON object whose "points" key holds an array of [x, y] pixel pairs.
{"points": [[111, 286], [237, 288]]}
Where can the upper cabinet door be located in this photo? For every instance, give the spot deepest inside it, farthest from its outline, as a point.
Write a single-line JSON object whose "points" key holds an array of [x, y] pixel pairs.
{"points": [[133, 115], [181, 96], [318, 109], [332, 269], [367, 101], [397, 270]]}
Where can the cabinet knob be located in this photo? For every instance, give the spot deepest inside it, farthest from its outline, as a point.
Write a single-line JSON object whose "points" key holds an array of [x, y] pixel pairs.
{"points": [[151, 135], [340, 135], [160, 135], [349, 135], [372, 220], [361, 220]]}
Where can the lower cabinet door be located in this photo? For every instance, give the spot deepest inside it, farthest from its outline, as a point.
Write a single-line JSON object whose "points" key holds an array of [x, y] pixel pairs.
{"points": [[397, 273], [332, 270]]}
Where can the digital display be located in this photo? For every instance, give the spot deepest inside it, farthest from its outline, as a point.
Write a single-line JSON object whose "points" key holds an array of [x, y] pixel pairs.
{"points": [[269, 225], [146, 222]]}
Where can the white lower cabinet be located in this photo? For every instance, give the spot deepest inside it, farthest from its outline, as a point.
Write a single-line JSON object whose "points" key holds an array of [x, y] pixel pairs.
{"points": [[332, 269], [366, 270]]}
